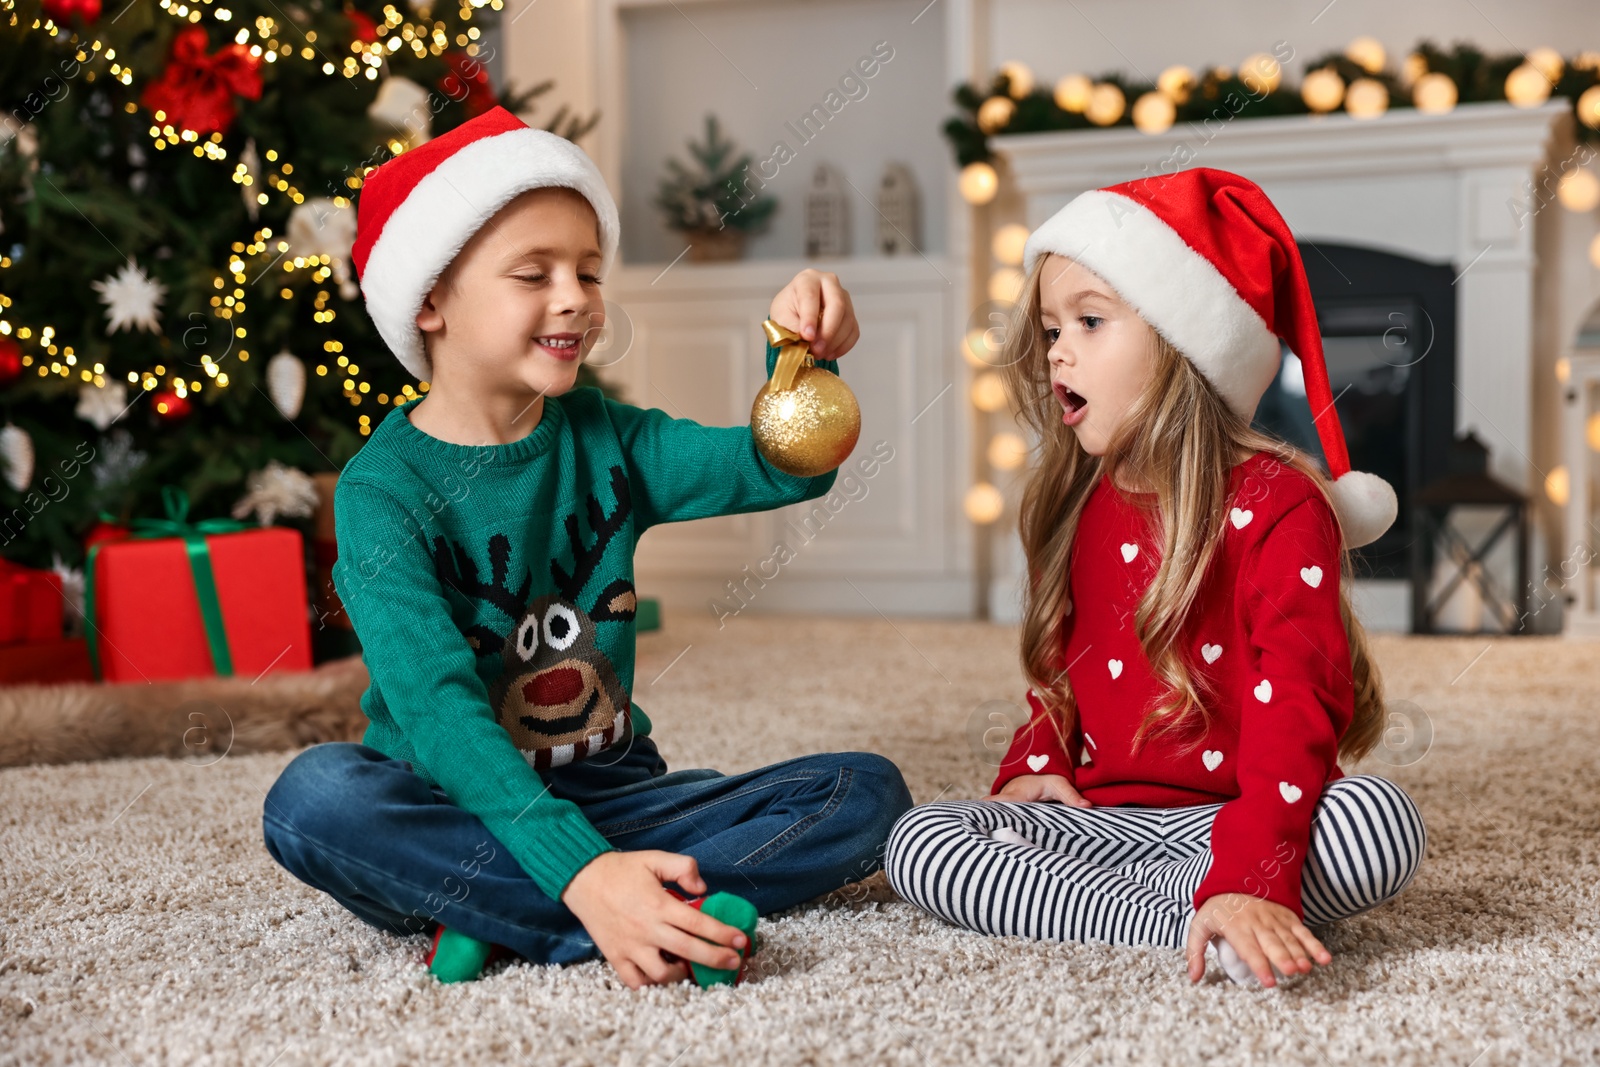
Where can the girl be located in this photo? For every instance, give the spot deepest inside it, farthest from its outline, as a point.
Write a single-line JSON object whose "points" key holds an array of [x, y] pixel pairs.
{"points": [[1196, 670]]}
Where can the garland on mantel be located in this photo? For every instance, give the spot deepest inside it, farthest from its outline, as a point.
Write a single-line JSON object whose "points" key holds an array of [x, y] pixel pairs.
{"points": [[1011, 103]]}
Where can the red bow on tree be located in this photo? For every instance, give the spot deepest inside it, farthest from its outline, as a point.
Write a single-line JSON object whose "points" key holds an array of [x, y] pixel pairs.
{"points": [[468, 81], [362, 28], [63, 11], [196, 91]]}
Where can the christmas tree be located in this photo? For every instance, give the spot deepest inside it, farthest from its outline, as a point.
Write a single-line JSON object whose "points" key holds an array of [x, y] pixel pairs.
{"points": [[177, 304]]}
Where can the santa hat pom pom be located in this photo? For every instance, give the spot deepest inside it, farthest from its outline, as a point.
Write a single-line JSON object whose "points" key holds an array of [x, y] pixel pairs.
{"points": [[1366, 506]]}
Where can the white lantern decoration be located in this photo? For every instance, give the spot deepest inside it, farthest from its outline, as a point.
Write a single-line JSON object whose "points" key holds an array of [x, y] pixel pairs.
{"points": [[827, 214], [899, 211]]}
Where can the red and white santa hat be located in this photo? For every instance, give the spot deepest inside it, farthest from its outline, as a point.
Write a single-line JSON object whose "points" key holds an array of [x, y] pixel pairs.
{"points": [[1205, 258], [417, 211]]}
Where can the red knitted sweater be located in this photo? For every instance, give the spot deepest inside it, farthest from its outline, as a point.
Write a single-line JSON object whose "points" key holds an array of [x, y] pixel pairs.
{"points": [[1267, 649]]}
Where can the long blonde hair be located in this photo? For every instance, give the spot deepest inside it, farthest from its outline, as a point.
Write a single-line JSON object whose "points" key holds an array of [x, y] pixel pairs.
{"points": [[1180, 440]]}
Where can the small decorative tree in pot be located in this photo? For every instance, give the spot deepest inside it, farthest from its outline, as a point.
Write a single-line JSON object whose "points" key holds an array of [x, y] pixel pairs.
{"points": [[715, 202]]}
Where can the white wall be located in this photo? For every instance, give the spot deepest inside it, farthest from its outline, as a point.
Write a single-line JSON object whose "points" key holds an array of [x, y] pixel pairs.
{"points": [[1139, 37], [760, 68]]}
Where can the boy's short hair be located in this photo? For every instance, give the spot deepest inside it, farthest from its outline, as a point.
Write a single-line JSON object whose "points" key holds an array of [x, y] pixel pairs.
{"points": [[418, 210]]}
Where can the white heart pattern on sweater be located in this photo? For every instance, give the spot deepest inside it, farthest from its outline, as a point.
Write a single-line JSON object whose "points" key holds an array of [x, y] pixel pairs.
{"points": [[1037, 763], [1312, 576], [1291, 793], [1211, 758], [1083, 757], [1129, 551], [1090, 740], [1116, 668], [1210, 652], [1264, 691], [1241, 517]]}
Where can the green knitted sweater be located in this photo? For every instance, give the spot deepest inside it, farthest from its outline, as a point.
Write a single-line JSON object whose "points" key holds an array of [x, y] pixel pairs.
{"points": [[491, 588]]}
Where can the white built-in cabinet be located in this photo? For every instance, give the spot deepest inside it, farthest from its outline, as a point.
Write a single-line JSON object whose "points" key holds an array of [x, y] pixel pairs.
{"points": [[890, 537]]}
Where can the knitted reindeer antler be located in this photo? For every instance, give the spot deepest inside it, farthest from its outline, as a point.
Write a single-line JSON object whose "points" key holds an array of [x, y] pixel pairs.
{"points": [[457, 569], [585, 560]]}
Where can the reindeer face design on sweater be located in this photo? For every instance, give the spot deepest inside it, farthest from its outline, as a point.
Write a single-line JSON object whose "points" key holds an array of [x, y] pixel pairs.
{"points": [[557, 694]]}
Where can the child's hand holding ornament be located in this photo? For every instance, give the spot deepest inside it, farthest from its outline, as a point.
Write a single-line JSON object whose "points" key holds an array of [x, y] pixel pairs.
{"points": [[805, 419]]}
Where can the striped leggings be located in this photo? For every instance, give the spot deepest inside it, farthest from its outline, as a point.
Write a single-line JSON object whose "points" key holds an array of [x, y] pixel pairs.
{"points": [[1127, 875]]}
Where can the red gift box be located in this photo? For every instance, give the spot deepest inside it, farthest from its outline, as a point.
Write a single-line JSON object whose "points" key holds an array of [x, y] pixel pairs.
{"points": [[146, 604], [45, 662], [30, 604]]}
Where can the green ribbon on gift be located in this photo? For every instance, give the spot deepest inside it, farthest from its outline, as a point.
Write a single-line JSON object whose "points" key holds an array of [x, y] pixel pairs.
{"points": [[176, 503]]}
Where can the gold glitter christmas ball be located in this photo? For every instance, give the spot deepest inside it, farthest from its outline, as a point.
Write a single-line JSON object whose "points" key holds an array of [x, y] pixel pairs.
{"points": [[809, 428]]}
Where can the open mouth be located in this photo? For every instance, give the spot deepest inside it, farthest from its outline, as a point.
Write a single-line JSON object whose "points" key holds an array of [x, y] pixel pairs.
{"points": [[1073, 405]]}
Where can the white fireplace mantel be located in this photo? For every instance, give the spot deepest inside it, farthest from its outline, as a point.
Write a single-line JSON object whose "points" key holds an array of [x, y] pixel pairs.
{"points": [[1452, 188]]}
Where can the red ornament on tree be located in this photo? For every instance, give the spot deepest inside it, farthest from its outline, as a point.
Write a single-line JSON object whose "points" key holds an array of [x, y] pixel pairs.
{"points": [[10, 361], [170, 406], [196, 90], [362, 28], [62, 12], [468, 81]]}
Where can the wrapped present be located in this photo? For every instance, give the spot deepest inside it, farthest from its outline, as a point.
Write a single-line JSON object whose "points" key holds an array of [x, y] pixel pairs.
{"points": [[177, 599], [30, 604], [45, 662]]}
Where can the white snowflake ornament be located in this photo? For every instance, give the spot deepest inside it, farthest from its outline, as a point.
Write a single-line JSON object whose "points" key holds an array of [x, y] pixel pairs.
{"points": [[102, 404], [132, 299], [278, 490]]}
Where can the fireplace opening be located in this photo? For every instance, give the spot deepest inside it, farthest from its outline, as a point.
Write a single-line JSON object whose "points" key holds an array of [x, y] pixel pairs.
{"points": [[1388, 334]]}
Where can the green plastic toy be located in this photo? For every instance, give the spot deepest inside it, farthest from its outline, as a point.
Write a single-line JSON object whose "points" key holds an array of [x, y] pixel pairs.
{"points": [[738, 913], [455, 957]]}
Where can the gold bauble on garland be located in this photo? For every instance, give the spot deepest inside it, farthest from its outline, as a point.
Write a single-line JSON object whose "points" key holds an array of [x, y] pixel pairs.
{"points": [[805, 419]]}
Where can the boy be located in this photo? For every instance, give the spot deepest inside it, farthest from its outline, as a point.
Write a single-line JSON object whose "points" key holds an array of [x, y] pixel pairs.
{"points": [[507, 786]]}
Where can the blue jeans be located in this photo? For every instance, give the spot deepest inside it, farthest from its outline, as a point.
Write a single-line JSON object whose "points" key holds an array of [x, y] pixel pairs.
{"points": [[364, 828]]}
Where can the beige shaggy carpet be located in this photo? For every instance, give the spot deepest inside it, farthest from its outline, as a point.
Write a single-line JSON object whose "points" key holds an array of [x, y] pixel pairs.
{"points": [[144, 922]]}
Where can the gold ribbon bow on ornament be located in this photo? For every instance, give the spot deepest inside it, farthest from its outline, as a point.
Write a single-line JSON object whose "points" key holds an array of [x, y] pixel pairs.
{"points": [[805, 420]]}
